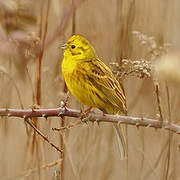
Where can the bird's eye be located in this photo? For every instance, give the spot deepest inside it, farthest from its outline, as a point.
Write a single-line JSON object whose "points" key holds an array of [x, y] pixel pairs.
{"points": [[73, 46]]}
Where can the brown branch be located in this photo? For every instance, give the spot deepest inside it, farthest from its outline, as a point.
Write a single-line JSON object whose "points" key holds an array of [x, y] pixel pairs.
{"points": [[129, 120], [42, 135]]}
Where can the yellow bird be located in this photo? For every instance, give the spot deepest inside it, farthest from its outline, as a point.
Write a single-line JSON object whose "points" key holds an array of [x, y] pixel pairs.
{"points": [[92, 83]]}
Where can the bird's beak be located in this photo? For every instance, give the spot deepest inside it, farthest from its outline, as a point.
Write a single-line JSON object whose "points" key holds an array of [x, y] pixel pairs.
{"points": [[63, 46]]}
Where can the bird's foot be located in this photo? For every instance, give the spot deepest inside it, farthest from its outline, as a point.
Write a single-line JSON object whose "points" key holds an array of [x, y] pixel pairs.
{"points": [[34, 107], [84, 114]]}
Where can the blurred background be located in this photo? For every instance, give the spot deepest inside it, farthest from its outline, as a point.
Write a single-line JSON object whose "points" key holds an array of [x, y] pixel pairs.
{"points": [[140, 31]]}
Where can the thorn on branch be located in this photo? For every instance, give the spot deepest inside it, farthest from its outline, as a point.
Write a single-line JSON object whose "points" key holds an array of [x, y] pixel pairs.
{"points": [[44, 116], [117, 115], [149, 125], [8, 114], [62, 104], [98, 122], [62, 112]]}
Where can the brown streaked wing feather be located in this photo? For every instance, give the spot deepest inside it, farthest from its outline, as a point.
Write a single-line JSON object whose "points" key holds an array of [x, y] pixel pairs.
{"points": [[104, 80]]}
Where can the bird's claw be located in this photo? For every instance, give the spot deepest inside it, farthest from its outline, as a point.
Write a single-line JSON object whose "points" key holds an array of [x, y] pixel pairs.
{"points": [[34, 106], [84, 115]]}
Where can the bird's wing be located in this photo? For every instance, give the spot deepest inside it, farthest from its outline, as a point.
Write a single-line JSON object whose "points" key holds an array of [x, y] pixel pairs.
{"points": [[103, 79]]}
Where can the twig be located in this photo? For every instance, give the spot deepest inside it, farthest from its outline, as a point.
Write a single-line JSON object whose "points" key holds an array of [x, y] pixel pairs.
{"points": [[158, 100], [68, 126], [42, 135], [30, 171], [129, 120], [170, 134]]}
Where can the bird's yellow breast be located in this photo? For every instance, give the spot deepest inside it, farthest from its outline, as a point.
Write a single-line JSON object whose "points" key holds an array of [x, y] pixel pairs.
{"points": [[79, 85]]}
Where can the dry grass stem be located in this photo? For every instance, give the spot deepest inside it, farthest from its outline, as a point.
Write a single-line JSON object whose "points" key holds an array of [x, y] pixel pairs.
{"points": [[28, 172]]}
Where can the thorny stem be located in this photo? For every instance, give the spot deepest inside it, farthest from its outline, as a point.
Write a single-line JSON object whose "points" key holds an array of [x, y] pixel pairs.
{"points": [[129, 120]]}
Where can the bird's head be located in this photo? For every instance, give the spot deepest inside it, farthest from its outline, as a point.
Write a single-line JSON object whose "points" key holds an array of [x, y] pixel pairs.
{"points": [[78, 47]]}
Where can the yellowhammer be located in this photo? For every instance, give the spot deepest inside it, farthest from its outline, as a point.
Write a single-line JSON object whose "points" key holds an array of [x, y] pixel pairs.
{"points": [[92, 83]]}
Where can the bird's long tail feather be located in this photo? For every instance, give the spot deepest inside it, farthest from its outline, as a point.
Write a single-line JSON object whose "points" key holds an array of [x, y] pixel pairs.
{"points": [[121, 141]]}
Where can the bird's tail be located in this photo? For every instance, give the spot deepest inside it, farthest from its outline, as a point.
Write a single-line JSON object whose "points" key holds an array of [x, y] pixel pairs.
{"points": [[121, 140]]}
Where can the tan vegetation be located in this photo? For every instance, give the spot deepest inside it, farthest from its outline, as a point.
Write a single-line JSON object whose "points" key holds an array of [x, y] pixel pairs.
{"points": [[132, 37]]}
